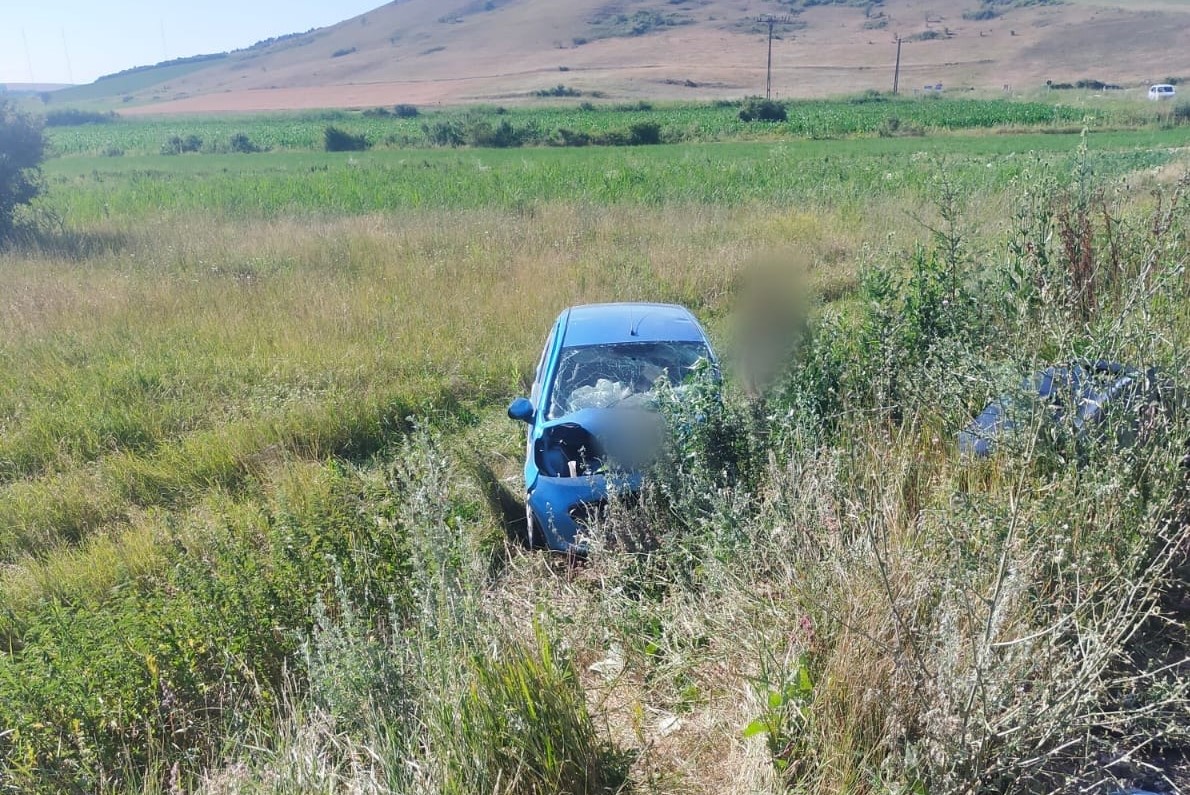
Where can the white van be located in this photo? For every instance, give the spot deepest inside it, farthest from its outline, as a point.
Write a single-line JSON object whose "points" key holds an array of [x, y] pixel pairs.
{"points": [[1161, 91]]}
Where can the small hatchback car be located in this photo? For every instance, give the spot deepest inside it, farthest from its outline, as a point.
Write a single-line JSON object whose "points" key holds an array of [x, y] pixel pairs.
{"points": [[591, 426]]}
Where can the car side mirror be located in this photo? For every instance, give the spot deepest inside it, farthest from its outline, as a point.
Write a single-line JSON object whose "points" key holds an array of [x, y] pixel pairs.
{"points": [[521, 409]]}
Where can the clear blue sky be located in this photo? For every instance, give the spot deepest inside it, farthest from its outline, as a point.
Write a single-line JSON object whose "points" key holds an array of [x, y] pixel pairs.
{"points": [[64, 41]]}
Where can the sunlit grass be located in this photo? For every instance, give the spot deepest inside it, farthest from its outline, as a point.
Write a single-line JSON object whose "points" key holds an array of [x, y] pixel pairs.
{"points": [[155, 189]]}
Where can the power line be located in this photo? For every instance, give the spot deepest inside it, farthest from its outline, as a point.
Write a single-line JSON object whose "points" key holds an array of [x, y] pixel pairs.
{"points": [[28, 57], [66, 50]]}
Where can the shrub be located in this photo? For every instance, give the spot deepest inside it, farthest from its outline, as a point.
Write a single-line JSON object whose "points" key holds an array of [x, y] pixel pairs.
{"points": [[240, 142], [177, 145], [480, 132], [342, 52], [444, 132], [400, 111], [611, 138], [869, 96], [893, 127], [758, 109], [568, 137], [558, 91], [22, 148], [71, 117], [1097, 85], [644, 133], [339, 140]]}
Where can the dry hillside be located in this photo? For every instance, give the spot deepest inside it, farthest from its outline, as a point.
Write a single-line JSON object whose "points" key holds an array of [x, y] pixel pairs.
{"points": [[428, 51]]}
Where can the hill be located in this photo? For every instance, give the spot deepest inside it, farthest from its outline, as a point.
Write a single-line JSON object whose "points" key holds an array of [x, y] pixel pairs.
{"points": [[30, 88], [424, 51]]}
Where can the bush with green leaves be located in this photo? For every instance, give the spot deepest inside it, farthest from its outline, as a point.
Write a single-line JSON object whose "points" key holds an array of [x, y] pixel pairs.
{"points": [[177, 145], [71, 117], [444, 132], [559, 90], [22, 148], [564, 136], [240, 142], [336, 139], [760, 109], [482, 133], [644, 133]]}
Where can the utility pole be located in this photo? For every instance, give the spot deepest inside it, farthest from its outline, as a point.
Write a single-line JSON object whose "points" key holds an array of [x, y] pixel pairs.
{"points": [[771, 21], [897, 70]]}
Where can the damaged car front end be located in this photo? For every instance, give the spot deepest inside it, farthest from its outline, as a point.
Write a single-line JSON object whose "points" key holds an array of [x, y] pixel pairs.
{"points": [[592, 424]]}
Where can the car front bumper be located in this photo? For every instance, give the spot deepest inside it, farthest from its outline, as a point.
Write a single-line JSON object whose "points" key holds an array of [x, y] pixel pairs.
{"points": [[564, 507]]}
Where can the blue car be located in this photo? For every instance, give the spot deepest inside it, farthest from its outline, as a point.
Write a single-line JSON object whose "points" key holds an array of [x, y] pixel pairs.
{"points": [[1079, 396], [592, 428]]}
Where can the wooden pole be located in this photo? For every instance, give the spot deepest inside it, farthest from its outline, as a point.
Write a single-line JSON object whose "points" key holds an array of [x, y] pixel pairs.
{"points": [[897, 70], [768, 74]]}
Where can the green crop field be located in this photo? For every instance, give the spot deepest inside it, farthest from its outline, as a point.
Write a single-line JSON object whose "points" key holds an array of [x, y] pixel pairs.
{"points": [[849, 173], [821, 119], [259, 496]]}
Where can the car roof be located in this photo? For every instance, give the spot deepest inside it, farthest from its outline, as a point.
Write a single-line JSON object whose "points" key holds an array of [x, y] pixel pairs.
{"points": [[603, 324]]}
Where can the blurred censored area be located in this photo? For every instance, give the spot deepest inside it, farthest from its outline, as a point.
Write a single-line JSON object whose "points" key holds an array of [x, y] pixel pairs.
{"points": [[769, 318]]}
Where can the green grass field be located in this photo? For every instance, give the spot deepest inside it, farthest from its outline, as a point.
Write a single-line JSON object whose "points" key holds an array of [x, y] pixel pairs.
{"points": [[678, 123], [256, 479], [849, 173]]}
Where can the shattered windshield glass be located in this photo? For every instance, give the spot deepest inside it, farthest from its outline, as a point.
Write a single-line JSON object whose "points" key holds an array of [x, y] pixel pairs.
{"points": [[602, 376]]}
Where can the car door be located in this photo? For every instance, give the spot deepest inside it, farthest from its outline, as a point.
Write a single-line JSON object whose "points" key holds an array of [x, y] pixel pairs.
{"points": [[545, 367]]}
